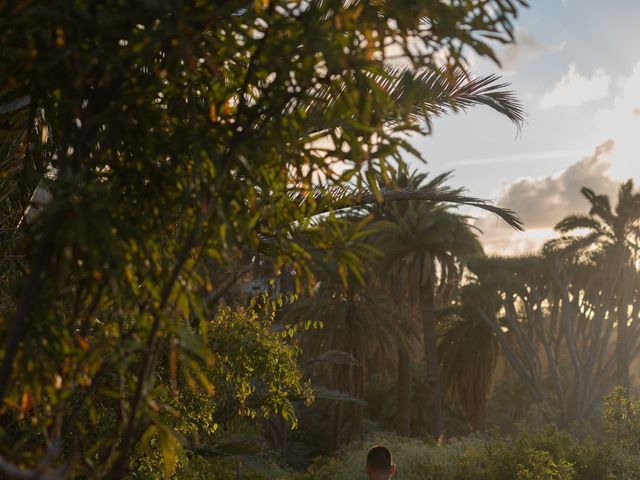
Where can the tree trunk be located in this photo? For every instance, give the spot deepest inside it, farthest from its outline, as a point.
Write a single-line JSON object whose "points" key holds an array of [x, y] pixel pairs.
{"points": [[357, 410], [479, 421], [404, 392], [336, 426], [622, 342], [284, 428], [355, 375], [432, 362]]}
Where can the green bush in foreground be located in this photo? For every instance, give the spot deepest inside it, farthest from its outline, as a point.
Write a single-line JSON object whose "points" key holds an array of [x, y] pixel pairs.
{"points": [[200, 467], [545, 454]]}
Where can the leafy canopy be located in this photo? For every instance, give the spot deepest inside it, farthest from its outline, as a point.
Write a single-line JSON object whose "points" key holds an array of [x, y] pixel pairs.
{"points": [[176, 136]]}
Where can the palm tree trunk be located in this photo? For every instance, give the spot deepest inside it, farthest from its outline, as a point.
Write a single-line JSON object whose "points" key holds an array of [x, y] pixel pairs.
{"points": [[404, 392], [284, 428], [356, 376], [336, 426], [357, 409], [432, 362], [622, 342], [479, 421], [622, 339]]}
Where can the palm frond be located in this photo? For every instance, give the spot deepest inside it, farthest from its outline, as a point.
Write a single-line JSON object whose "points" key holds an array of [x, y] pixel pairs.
{"points": [[628, 207], [570, 245], [230, 447], [15, 188], [418, 95], [325, 393], [344, 196], [575, 222], [14, 105], [434, 92], [600, 205], [336, 357]]}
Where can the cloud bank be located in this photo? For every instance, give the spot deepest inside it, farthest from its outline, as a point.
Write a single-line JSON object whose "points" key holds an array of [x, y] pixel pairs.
{"points": [[543, 202], [576, 89]]}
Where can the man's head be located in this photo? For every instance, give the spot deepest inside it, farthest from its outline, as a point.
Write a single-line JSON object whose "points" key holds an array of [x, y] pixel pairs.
{"points": [[380, 464]]}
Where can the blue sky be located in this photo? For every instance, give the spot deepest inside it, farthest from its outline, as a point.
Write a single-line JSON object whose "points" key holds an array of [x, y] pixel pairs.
{"points": [[576, 69]]}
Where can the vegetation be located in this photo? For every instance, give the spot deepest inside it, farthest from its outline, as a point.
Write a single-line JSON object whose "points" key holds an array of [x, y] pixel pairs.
{"points": [[528, 454], [216, 262]]}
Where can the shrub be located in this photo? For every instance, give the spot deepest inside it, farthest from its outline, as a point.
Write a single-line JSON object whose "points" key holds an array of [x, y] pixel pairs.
{"points": [[541, 466], [415, 458], [201, 467], [542, 454], [622, 418]]}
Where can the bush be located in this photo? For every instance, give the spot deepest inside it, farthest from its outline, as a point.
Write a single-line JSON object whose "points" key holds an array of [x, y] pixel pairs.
{"points": [[543, 454], [201, 467], [415, 459], [542, 467], [622, 418]]}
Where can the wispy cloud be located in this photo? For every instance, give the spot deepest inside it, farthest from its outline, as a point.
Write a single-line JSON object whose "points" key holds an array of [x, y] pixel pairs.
{"points": [[576, 89], [525, 48], [520, 157]]}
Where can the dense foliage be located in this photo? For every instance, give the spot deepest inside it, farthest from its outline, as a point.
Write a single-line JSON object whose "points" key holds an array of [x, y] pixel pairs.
{"points": [[210, 236], [530, 454], [151, 150]]}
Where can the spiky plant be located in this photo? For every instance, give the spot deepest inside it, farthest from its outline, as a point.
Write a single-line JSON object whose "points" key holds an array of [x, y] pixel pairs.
{"points": [[610, 235]]}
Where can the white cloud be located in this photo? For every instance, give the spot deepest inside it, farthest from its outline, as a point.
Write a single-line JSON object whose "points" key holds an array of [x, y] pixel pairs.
{"points": [[575, 89], [543, 202], [502, 241], [621, 122]]}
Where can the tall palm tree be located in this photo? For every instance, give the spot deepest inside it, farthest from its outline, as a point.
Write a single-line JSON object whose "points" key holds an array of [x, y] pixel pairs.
{"points": [[404, 304], [407, 193], [468, 351], [422, 242], [354, 313], [613, 233]]}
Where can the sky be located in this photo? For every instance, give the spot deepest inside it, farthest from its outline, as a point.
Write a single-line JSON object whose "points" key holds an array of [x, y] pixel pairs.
{"points": [[576, 69]]}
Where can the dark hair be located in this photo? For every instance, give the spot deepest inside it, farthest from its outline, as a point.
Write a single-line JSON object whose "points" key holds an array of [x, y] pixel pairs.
{"points": [[379, 459]]}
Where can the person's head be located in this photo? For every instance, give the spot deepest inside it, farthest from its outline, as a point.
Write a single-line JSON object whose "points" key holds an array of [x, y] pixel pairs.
{"points": [[380, 464]]}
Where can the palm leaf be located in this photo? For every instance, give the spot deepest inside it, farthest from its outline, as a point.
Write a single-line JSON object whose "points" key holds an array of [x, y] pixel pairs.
{"points": [[336, 357], [335, 395], [575, 222], [600, 205], [231, 447], [405, 93], [435, 92], [14, 105], [345, 196], [568, 245]]}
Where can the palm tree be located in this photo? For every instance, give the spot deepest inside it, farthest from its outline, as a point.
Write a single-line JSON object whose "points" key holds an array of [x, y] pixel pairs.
{"points": [[468, 351], [405, 305], [354, 314], [422, 243], [614, 234], [407, 193]]}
